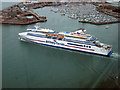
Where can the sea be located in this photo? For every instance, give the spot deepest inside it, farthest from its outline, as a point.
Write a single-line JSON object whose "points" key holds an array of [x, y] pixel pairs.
{"points": [[29, 65]]}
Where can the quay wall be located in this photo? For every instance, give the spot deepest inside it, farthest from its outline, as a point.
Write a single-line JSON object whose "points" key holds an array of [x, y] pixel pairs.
{"points": [[100, 23], [23, 23]]}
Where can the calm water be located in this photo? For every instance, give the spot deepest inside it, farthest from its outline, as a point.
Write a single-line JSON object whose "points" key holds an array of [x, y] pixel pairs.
{"points": [[27, 65], [4, 5]]}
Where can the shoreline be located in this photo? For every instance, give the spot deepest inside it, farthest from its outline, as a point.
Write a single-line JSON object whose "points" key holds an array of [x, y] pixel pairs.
{"points": [[20, 17], [22, 23]]}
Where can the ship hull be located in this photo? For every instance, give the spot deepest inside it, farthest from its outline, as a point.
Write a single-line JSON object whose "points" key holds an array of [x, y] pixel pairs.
{"points": [[64, 45]]}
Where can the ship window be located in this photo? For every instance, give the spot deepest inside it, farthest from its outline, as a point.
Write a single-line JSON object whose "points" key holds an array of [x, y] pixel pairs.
{"points": [[36, 35], [54, 38], [60, 38], [80, 45], [84, 45], [63, 39], [89, 46], [75, 44], [69, 40], [48, 36]]}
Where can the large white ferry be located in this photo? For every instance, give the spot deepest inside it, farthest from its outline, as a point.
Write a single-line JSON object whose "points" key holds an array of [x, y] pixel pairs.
{"points": [[78, 40]]}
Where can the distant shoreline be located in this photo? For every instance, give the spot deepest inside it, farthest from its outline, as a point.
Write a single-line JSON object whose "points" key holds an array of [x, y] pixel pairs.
{"points": [[18, 19]]}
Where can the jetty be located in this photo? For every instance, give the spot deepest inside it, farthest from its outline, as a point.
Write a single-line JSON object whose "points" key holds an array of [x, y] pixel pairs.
{"points": [[35, 14]]}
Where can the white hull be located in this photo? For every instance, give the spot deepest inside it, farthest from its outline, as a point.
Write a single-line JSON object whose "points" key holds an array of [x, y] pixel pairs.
{"points": [[65, 45]]}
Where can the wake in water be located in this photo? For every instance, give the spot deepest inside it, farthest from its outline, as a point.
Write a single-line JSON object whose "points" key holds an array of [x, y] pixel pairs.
{"points": [[115, 55]]}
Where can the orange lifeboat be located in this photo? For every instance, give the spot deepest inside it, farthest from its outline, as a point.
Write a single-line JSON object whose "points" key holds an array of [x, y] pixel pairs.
{"points": [[50, 34], [55, 35], [61, 36]]}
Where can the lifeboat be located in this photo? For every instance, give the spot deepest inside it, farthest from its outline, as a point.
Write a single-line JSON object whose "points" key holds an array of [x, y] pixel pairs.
{"points": [[55, 35], [50, 34], [61, 36]]}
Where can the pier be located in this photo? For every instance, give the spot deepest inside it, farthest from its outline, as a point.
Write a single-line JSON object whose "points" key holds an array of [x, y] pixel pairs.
{"points": [[35, 14]]}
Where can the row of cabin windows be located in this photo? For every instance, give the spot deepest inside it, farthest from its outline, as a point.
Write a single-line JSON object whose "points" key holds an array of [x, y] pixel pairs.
{"points": [[43, 36], [70, 40], [58, 39], [87, 46], [54, 37], [80, 45], [76, 37], [78, 41], [36, 35]]}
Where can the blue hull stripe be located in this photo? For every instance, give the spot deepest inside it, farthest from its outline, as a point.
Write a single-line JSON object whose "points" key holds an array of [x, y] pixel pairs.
{"points": [[110, 53]]}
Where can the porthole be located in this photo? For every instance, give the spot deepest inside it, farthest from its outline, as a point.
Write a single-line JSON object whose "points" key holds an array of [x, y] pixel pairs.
{"points": [[89, 46]]}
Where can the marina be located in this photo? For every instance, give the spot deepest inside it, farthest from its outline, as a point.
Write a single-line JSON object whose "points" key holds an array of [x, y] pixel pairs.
{"points": [[87, 13]]}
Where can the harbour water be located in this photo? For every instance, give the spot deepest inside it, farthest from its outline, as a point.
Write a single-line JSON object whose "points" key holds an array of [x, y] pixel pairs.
{"points": [[27, 65], [7, 4]]}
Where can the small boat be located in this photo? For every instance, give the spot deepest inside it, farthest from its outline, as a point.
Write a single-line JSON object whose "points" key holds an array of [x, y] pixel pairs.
{"points": [[62, 13], [107, 27], [73, 16]]}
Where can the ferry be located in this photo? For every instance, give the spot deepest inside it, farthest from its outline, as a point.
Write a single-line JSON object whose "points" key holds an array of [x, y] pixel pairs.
{"points": [[77, 40]]}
